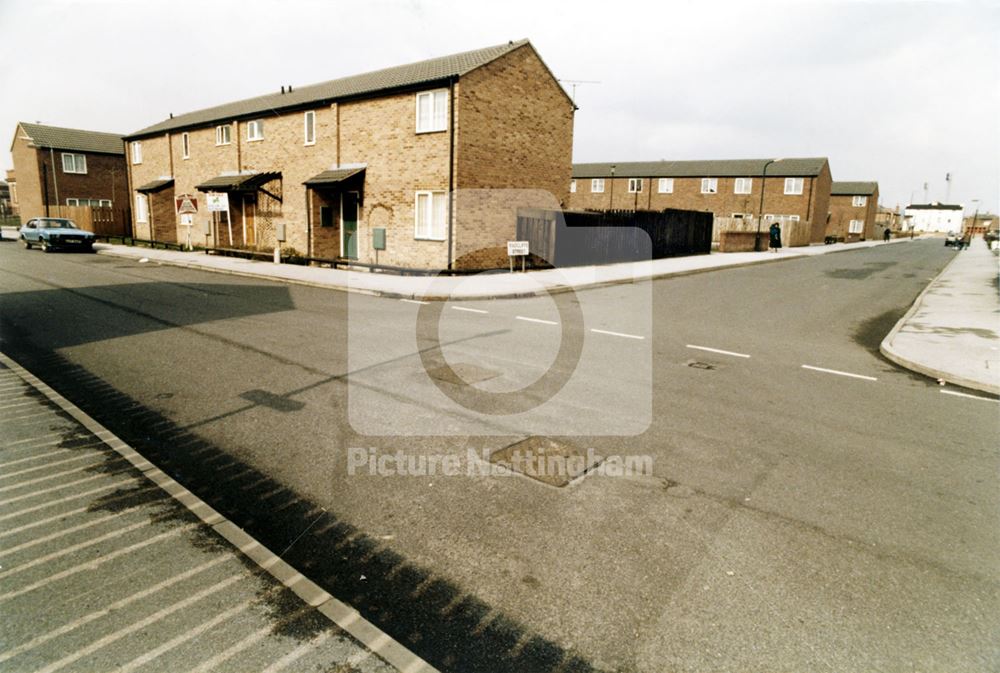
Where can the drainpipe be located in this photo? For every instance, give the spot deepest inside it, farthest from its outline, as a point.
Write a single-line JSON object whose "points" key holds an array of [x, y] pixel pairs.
{"points": [[45, 187], [451, 166], [55, 174], [309, 232]]}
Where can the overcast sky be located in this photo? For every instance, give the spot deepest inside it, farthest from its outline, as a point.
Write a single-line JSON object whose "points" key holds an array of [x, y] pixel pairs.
{"points": [[898, 92]]}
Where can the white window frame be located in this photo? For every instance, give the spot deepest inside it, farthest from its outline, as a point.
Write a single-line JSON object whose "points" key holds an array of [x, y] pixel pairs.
{"points": [[77, 163], [13, 193], [635, 185], [141, 208], [223, 129], [665, 186], [859, 201], [743, 186], [597, 185], [710, 185], [572, 186], [136, 152], [793, 218], [436, 198], [437, 120], [856, 227], [185, 145], [794, 185], [104, 203], [309, 127], [258, 126], [72, 202]]}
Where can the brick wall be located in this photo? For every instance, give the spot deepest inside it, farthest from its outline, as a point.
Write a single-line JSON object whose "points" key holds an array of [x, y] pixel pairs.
{"points": [[843, 210], [29, 185]]}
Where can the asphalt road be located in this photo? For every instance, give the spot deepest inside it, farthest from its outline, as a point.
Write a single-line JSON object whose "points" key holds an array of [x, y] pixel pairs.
{"points": [[794, 518]]}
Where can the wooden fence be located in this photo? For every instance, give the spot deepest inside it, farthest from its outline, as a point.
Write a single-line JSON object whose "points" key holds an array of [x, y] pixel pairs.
{"points": [[101, 221], [793, 232], [575, 238]]}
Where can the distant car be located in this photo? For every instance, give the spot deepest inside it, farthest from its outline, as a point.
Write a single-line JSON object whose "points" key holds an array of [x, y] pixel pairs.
{"points": [[51, 233], [951, 239]]}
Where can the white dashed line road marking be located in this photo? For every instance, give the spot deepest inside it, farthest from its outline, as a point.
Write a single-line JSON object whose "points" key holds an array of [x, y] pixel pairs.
{"points": [[971, 397], [414, 301], [617, 334], [716, 350], [538, 320], [840, 373], [469, 310]]}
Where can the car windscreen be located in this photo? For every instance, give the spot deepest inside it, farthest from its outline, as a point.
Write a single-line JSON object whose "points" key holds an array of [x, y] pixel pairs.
{"points": [[56, 224]]}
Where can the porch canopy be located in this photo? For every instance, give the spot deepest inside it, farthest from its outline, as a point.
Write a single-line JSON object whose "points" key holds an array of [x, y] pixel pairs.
{"points": [[247, 182], [334, 177], [155, 185]]}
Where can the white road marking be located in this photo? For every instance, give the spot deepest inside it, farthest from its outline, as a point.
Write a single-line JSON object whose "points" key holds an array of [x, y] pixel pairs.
{"points": [[298, 653], [255, 637], [971, 397], [54, 488], [469, 310], [538, 320], [36, 457], [716, 350], [617, 334], [36, 480], [414, 301], [67, 531], [75, 496], [840, 373], [65, 515], [48, 465]]}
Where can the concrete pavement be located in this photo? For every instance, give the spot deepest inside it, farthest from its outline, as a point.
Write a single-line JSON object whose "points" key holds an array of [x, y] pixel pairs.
{"points": [[952, 331]]}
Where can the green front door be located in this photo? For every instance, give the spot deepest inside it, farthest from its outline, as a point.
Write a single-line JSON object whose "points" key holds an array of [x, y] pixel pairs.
{"points": [[349, 225]]}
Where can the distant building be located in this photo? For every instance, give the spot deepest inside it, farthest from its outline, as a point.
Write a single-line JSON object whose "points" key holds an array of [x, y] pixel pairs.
{"points": [[933, 217], [5, 208], [978, 224], [888, 218], [796, 189], [853, 209], [67, 167]]}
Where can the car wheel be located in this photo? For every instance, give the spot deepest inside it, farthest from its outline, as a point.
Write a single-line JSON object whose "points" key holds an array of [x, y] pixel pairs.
{"points": [[26, 242], [46, 247]]}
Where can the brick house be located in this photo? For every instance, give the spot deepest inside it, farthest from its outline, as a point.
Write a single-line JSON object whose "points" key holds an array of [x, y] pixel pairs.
{"points": [[795, 188], [67, 167], [853, 211], [344, 163]]}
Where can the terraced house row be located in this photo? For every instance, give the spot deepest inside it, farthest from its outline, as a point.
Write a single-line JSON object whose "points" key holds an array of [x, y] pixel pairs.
{"points": [[361, 167]]}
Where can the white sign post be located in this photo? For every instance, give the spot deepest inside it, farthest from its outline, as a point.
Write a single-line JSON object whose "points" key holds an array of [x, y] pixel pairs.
{"points": [[517, 249], [218, 202]]}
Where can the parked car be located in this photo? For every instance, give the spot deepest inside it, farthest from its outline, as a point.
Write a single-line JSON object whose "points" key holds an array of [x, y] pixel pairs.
{"points": [[951, 239], [50, 233]]}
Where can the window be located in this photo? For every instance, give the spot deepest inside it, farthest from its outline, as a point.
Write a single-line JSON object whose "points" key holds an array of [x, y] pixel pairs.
{"points": [[856, 227], [136, 152], [793, 218], [72, 202], [431, 221], [223, 134], [742, 185], [91, 203], [185, 146], [105, 203], [597, 185], [255, 130], [634, 185], [309, 127], [572, 186], [859, 201], [737, 216], [432, 111], [13, 193], [74, 163], [141, 208], [793, 185], [709, 185], [666, 186]]}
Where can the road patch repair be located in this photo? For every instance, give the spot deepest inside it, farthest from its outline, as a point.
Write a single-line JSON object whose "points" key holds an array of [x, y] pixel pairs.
{"points": [[550, 461]]}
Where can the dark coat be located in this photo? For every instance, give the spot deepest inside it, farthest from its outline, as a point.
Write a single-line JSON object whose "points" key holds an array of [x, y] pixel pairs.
{"points": [[774, 236]]}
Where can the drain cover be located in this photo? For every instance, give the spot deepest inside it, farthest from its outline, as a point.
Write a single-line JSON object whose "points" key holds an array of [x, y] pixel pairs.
{"points": [[548, 460], [463, 374], [701, 365]]}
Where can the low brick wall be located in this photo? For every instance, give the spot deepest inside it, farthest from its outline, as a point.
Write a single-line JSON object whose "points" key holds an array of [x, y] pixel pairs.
{"points": [[740, 241]]}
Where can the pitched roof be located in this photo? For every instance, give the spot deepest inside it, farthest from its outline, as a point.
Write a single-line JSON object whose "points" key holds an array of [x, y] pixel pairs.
{"points": [[853, 188], [73, 139], [933, 206], [432, 70], [794, 167]]}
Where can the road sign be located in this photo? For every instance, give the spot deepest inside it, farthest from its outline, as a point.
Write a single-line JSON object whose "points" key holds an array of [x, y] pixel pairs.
{"points": [[186, 204], [517, 248], [217, 202]]}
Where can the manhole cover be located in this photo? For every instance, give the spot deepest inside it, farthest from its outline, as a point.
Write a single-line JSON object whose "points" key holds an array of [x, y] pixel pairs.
{"points": [[548, 460], [463, 374], [701, 365]]}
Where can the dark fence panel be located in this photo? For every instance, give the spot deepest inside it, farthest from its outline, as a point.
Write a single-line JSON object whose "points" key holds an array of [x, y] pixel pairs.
{"points": [[576, 238]]}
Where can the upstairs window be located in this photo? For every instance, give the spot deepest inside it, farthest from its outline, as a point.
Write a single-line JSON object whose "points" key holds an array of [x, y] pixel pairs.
{"points": [[793, 185], [709, 185], [74, 163], [572, 186], [432, 111], [185, 146], [309, 127], [597, 185], [136, 152], [742, 185], [666, 186], [859, 201], [634, 185], [223, 134], [255, 130]]}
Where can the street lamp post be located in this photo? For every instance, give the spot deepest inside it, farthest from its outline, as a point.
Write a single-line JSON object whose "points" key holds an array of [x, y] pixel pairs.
{"points": [[760, 214], [611, 204], [975, 216]]}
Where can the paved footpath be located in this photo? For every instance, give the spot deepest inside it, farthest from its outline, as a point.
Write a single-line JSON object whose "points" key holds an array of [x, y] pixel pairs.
{"points": [[107, 564], [952, 332]]}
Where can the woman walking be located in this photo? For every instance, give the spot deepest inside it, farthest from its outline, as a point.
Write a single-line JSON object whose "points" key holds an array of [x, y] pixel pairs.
{"points": [[774, 237]]}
